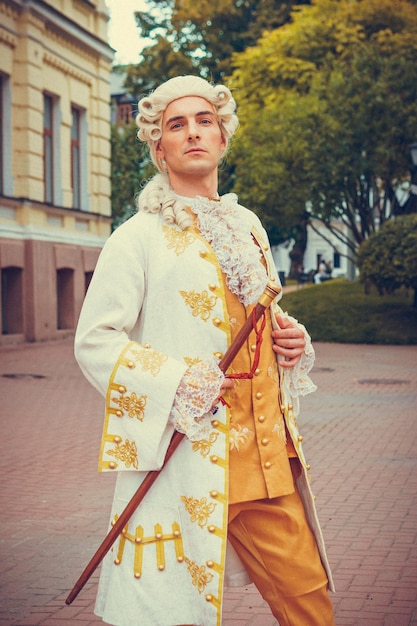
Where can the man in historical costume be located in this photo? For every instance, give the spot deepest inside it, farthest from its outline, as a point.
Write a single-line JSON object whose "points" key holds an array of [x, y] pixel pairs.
{"points": [[171, 289]]}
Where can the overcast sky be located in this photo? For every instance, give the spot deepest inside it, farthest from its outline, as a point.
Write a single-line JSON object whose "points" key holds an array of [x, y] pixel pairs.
{"points": [[123, 33]]}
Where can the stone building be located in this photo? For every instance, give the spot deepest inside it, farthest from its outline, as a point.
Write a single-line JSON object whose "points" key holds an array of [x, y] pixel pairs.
{"points": [[55, 211]]}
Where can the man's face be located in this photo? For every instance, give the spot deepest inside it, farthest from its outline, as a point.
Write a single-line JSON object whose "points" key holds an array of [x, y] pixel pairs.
{"points": [[191, 143]]}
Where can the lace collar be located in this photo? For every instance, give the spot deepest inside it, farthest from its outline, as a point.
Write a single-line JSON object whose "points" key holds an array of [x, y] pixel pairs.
{"points": [[221, 223]]}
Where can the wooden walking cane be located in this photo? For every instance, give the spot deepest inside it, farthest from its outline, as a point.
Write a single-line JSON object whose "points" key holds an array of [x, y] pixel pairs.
{"points": [[271, 291]]}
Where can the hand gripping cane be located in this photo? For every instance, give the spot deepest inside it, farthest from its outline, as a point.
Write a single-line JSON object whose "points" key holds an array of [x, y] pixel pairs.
{"points": [[271, 291]]}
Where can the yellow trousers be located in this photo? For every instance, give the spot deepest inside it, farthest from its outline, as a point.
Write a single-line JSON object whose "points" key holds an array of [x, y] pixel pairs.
{"points": [[274, 542]]}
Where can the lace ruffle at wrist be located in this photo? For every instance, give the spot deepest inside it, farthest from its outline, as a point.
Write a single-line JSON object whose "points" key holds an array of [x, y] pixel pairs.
{"points": [[191, 411], [298, 381]]}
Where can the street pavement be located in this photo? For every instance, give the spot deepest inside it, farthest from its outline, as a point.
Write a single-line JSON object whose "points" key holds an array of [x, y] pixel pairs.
{"points": [[360, 437]]}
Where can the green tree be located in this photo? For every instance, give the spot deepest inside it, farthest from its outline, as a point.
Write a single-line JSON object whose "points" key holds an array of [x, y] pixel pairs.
{"points": [[199, 37], [130, 164], [328, 110], [388, 258]]}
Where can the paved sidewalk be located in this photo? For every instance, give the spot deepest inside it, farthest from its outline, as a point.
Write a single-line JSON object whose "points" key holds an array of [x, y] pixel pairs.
{"points": [[360, 432]]}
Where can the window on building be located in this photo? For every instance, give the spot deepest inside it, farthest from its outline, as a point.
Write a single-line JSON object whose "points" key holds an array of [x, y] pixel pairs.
{"points": [[48, 147], [76, 157], [6, 174], [336, 260], [1, 135], [65, 298], [87, 280], [124, 113], [12, 300]]}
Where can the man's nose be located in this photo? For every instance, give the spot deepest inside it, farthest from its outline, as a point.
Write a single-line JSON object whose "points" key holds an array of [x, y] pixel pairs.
{"points": [[193, 131]]}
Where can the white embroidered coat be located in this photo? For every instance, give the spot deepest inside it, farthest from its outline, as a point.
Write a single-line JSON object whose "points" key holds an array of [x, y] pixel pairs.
{"points": [[156, 305]]}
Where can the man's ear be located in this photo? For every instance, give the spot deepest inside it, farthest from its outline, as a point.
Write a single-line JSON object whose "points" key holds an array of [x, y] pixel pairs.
{"points": [[158, 151]]}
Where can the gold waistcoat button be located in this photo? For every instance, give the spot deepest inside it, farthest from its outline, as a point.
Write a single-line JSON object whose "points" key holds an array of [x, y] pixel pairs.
{"points": [[209, 597], [268, 465], [253, 347], [214, 459], [258, 395], [203, 253], [112, 465], [261, 419], [117, 439], [212, 287], [214, 494], [265, 442], [300, 438], [257, 371], [211, 529], [216, 321]]}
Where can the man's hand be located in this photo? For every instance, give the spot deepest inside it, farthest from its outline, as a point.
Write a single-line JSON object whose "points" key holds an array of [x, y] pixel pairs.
{"points": [[289, 341]]}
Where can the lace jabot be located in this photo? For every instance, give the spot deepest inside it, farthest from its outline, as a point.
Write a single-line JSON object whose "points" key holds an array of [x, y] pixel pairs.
{"points": [[221, 224]]}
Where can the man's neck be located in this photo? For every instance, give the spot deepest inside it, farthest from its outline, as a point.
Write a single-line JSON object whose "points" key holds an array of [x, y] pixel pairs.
{"points": [[191, 187]]}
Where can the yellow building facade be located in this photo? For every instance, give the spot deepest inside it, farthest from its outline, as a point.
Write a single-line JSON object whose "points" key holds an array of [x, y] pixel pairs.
{"points": [[55, 211]]}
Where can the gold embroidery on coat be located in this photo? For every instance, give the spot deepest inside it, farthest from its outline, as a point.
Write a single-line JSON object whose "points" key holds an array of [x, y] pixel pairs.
{"points": [[199, 510], [191, 361], [238, 436], [134, 405], [178, 240], [126, 453], [150, 360], [200, 577], [140, 541], [279, 428], [200, 303], [203, 445]]}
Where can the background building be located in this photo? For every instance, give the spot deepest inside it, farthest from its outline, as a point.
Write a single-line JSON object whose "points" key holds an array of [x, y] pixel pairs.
{"points": [[55, 211]]}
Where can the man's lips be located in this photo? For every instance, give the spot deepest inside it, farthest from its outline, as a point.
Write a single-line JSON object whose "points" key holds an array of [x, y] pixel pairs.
{"points": [[195, 151]]}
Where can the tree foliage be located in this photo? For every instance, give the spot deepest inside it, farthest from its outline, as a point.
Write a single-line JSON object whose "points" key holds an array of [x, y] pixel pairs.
{"points": [[129, 166], [388, 258], [200, 37], [328, 108]]}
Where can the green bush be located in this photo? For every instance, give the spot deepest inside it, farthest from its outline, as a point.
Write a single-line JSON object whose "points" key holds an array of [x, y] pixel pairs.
{"points": [[388, 259], [339, 311]]}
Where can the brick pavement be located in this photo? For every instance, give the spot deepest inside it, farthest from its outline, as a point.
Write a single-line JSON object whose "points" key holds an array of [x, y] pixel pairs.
{"points": [[360, 437]]}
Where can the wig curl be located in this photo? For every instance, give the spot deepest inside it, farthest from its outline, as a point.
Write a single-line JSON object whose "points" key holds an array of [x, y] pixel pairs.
{"points": [[152, 107]]}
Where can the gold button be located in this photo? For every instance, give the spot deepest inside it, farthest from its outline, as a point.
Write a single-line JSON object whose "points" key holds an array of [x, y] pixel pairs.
{"points": [[177, 533], [180, 559], [122, 389], [112, 465], [215, 423], [211, 529], [253, 347], [268, 465], [119, 413], [258, 395], [265, 442], [308, 467], [300, 438], [257, 371], [209, 597], [214, 459], [261, 419], [212, 287], [158, 535], [131, 365], [117, 439], [210, 563], [290, 407], [117, 561], [214, 494], [137, 575], [203, 253], [161, 567], [138, 540], [124, 532], [282, 408], [218, 355], [216, 321]]}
